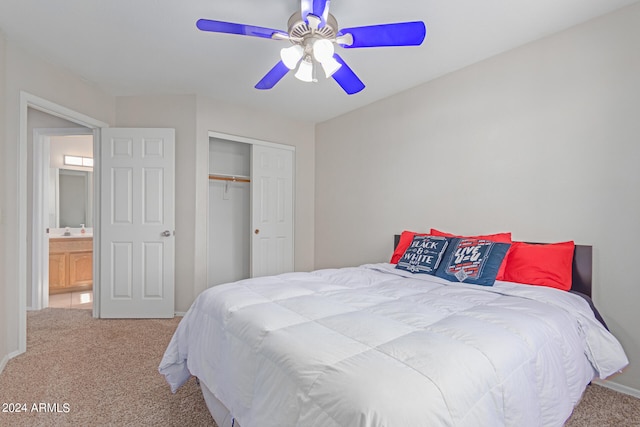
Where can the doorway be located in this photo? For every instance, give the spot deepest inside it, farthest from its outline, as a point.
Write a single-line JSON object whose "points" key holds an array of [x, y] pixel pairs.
{"points": [[29, 101], [62, 234], [62, 210]]}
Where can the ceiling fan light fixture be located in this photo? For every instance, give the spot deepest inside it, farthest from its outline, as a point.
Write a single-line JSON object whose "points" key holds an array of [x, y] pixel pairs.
{"points": [[323, 50], [305, 71], [330, 66], [291, 55]]}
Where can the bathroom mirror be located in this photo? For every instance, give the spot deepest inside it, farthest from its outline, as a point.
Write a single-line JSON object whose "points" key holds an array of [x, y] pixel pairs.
{"points": [[71, 198]]}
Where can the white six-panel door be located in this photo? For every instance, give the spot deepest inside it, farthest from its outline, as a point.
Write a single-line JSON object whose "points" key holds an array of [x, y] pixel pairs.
{"points": [[137, 220], [271, 210]]}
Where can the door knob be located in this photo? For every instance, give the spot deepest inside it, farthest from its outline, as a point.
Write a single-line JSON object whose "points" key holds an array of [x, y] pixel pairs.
{"points": [[166, 233], [257, 231]]}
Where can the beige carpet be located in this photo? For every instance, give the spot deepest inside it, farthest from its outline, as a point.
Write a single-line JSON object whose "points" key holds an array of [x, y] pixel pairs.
{"points": [[105, 373], [105, 370]]}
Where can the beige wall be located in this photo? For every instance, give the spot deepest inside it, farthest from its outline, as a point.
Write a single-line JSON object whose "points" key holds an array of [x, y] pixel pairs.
{"points": [[541, 141]]}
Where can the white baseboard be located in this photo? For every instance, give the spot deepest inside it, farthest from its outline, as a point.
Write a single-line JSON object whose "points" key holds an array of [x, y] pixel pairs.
{"points": [[6, 359], [618, 387], [180, 313], [3, 362]]}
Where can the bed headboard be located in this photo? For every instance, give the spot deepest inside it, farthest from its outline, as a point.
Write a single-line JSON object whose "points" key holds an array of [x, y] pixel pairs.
{"points": [[582, 267]]}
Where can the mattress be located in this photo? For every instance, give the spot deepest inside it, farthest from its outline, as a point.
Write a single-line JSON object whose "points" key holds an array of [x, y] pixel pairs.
{"points": [[374, 346]]}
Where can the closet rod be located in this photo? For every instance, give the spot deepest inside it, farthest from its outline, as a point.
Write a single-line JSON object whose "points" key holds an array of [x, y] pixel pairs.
{"points": [[230, 178]]}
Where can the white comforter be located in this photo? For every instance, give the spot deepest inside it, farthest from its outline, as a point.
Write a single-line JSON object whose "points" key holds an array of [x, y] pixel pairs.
{"points": [[367, 347]]}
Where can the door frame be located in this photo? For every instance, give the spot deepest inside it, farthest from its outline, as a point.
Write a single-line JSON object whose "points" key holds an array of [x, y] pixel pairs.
{"points": [[253, 141], [39, 240], [28, 100]]}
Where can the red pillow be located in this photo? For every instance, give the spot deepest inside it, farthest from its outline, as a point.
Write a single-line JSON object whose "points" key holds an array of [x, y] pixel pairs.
{"points": [[499, 237], [541, 265], [405, 241]]}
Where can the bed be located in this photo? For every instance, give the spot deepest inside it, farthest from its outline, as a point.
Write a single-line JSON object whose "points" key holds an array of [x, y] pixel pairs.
{"points": [[377, 346]]}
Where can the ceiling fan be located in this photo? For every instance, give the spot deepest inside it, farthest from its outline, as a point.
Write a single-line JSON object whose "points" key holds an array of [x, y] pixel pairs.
{"points": [[313, 33]]}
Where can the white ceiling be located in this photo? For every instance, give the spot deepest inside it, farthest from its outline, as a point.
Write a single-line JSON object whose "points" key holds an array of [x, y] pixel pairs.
{"points": [[132, 47]]}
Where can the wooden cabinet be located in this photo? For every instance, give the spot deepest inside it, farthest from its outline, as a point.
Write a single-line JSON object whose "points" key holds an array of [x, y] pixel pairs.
{"points": [[70, 264]]}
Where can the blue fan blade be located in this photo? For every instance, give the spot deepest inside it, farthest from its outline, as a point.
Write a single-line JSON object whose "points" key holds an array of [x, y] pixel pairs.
{"points": [[273, 76], [319, 8], [346, 78], [400, 34], [231, 28]]}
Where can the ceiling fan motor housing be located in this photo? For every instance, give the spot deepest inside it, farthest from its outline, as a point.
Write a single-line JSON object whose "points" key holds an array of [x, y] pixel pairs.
{"points": [[300, 30]]}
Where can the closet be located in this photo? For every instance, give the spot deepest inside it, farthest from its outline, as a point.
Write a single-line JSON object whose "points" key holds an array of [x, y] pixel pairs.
{"points": [[250, 210]]}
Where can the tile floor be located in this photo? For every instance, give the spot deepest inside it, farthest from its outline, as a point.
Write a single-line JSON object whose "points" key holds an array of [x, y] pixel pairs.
{"points": [[83, 299]]}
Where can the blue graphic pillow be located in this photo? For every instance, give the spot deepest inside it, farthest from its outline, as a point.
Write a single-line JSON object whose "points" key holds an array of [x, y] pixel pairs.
{"points": [[423, 254], [473, 261]]}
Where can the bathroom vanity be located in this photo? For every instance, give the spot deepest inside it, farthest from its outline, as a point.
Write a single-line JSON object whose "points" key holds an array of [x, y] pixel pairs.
{"points": [[70, 264]]}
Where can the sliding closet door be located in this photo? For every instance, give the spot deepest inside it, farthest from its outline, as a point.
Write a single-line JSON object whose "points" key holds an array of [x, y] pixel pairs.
{"points": [[271, 210]]}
